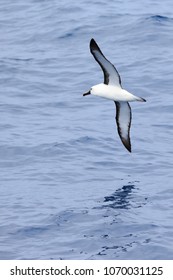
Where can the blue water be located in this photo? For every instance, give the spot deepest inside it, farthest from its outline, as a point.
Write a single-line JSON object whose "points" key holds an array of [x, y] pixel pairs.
{"points": [[68, 187]]}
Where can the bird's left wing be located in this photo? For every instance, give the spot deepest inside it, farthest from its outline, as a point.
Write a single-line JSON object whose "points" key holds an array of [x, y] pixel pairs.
{"points": [[111, 75], [123, 119]]}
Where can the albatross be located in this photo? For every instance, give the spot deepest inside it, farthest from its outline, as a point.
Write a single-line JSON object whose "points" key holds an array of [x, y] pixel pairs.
{"points": [[112, 89]]}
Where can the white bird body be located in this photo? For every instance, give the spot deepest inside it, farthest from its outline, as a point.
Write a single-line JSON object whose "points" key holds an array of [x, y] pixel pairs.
{"points": [[112, 89], [114, 93]]}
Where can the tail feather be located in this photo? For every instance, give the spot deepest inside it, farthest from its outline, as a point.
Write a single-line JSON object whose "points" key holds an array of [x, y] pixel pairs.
{"points": [[141, 99]]}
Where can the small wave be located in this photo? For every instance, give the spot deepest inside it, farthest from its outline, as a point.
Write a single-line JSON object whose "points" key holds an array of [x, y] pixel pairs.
{"points": [[159, 18], [66, 35], [31, 231]]}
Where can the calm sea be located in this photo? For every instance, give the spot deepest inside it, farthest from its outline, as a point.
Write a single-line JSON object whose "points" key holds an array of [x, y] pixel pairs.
{"points": [[68, 187]]}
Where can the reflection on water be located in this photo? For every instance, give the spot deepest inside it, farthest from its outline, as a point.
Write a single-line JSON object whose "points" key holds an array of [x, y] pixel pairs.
{"points": [[120, 199]]}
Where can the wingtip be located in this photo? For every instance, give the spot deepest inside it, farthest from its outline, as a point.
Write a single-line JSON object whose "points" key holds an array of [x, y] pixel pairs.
{"points": [[93, 44], [92, 41], [127, 144], [128, 148]]}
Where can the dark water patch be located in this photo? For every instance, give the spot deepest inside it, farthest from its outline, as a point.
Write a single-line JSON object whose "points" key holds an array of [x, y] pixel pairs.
{"points": [[124, 198], [120, 198]]}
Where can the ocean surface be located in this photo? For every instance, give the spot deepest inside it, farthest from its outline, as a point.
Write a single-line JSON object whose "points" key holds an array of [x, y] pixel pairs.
{"points": [[68, 187]]}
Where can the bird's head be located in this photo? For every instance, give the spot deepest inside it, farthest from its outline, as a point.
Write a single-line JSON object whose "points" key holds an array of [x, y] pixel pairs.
{"points": [[95, 90]]}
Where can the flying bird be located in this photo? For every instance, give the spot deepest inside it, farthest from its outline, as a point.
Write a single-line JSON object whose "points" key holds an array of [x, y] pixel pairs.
{"points": [[112, 89]]}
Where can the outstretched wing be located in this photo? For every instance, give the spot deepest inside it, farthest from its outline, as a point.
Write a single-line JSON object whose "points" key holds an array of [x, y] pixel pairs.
{"points": [[111, 75], [123, 119]]}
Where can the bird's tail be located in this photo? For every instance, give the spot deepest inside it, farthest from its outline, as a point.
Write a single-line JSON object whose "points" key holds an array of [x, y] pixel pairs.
{"points": [[141, 99]]}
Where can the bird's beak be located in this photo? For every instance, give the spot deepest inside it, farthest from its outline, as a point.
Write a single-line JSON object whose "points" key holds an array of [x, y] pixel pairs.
{"points": [[87, 93]]}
